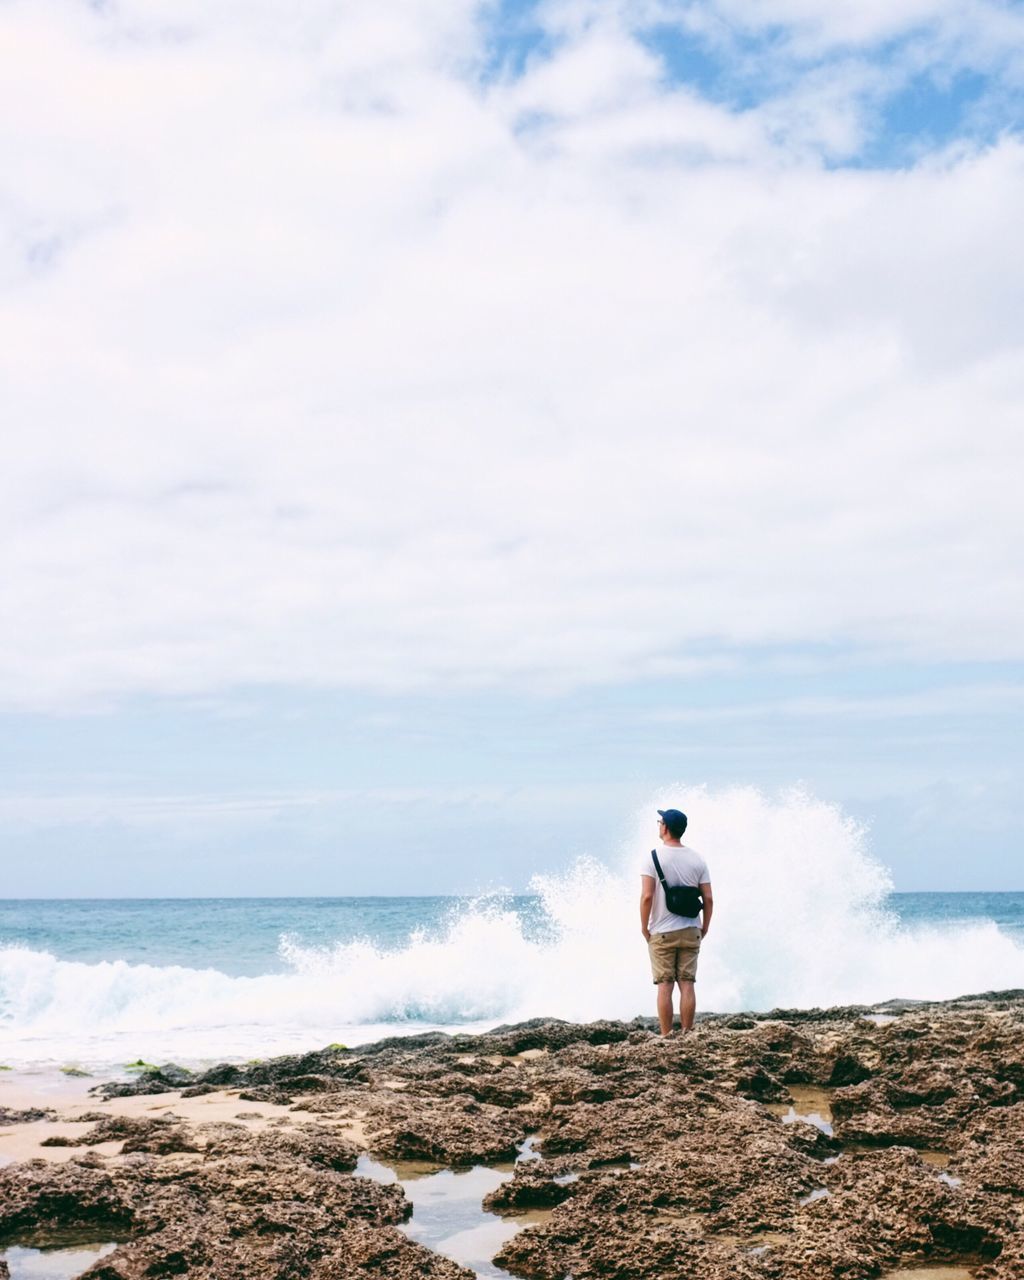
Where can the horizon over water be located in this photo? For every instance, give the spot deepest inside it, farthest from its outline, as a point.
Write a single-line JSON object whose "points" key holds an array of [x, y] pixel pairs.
{"points": [[104, 981]]}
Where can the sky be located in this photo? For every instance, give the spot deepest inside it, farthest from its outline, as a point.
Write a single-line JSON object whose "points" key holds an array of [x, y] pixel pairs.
{"points": [[433, 430]]}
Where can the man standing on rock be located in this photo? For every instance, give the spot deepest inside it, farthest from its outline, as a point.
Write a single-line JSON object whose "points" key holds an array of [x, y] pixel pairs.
{"points": [[673, 940]]}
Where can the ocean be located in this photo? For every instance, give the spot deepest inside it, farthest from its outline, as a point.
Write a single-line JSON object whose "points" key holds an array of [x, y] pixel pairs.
{"points": [[804, 916], [98, 983]]}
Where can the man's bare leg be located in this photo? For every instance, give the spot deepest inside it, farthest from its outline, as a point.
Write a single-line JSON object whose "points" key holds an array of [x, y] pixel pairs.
{"points": [[665, 990], [687, 1004]]}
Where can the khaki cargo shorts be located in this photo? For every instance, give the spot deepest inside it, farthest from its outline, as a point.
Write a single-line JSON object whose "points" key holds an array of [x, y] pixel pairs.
{"points": [[674, 955]]}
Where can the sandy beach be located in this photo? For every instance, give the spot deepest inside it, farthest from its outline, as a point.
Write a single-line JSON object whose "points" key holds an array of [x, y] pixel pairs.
{"points": [[24, 1140], [854, 1143]]}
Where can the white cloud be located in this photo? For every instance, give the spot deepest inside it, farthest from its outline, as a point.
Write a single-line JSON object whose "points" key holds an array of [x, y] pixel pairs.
{"points": [[205, 814], [978, 29], [967, 701], [327, 362], [827, 73]]}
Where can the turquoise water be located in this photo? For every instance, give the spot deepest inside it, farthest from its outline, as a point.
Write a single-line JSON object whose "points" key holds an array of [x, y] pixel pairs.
{"points": [[241, 936], [103, 982], [1005, 910], [237, 936]]}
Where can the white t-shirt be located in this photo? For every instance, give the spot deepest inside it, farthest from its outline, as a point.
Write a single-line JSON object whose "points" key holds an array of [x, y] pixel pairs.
{"points": [[680, 865]]}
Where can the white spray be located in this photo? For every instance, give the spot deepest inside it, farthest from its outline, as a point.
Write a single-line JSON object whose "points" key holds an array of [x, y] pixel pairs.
{"points": [[800, 920]]}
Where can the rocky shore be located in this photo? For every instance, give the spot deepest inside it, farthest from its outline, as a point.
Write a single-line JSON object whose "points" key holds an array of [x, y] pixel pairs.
{"points": [[678, 1157]]}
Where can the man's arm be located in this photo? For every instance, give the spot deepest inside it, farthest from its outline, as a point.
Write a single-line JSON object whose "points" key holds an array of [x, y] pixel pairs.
{"points": [[709, 906], [646, 901]]}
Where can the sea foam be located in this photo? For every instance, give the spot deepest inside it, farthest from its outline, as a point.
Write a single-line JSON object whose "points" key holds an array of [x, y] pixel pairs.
{"points": [[800, 920]]}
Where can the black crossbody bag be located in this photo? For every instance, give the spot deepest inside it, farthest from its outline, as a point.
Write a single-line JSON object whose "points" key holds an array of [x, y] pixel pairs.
{"points": [[681, 899]]}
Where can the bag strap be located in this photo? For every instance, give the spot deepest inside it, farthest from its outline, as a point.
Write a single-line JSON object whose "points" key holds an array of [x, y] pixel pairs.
{"points": [[657, 867]]}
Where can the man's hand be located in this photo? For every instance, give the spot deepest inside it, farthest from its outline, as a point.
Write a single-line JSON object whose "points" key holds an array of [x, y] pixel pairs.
{"points": [[646, 902], [709, 906]]}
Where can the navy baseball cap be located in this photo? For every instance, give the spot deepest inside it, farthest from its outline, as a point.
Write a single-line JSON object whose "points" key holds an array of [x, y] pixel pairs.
{"points": [[675, 820]]}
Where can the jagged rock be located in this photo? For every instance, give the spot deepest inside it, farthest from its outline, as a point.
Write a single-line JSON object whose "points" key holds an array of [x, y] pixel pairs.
{"points": [[810, 1140], [763, 1086], [234, 1216], [149, 1082], [114, 1128], [266, 1093], [652, 1161], [295, 1073], [161, 1140], [39, 1195], [314, 1145], [848, 1069], [9, 1115], [533, 1186], [495, 1091], [453, 1131], [173, 1074]]}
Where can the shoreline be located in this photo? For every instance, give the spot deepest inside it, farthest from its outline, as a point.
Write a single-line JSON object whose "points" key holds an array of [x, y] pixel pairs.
{"points": [[797, 1143], [368, 1037]]}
